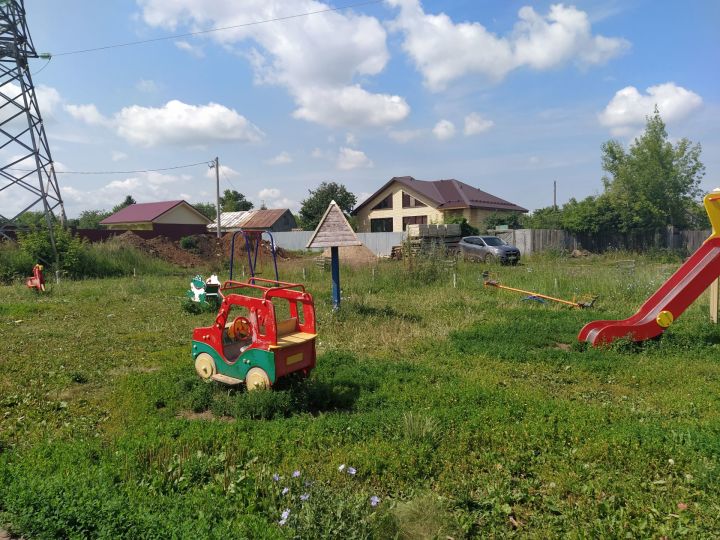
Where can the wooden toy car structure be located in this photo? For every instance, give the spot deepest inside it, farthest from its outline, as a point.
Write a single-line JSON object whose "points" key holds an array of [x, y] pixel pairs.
{"points": [[264, 329], [248, 343]]}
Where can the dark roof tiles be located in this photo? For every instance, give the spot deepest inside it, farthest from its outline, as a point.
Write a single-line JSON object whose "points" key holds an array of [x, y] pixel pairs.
{"points": [[140, 212], [451, 193]]}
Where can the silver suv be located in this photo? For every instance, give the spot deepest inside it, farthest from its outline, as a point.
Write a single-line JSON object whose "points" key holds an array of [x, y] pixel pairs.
{"points": [[489, 249]]}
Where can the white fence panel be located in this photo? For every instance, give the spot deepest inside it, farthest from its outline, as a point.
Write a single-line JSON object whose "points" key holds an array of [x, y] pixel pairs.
{"points": [[379, 243]]}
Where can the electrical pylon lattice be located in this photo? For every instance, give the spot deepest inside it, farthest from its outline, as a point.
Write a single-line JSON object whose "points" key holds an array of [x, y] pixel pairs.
{"points": [[27, 176]]}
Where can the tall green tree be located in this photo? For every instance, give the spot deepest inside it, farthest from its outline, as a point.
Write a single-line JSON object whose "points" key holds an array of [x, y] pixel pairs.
{"points": [[314, 206], [127, 202], [206, 209], [233, 201], [654, 183], [90, 219]]}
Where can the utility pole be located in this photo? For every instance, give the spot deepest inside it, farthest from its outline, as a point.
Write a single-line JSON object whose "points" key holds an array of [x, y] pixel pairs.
{"points": [[555, 194], [217, 193]]}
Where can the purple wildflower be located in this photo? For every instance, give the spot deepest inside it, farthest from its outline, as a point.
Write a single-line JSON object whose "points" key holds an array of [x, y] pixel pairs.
{"points": [[374, 500], [284, 517], [276, 477], [351, 471], [285, 490], [296, 474], [304, 496]]}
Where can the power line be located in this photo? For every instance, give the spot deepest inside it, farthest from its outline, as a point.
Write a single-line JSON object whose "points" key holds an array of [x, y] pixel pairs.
{"points": [[219, 29], [118, 172], [227, 179]]}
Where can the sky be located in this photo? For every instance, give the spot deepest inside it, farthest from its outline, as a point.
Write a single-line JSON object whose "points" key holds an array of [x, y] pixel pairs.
{"points": [[506, 96]]}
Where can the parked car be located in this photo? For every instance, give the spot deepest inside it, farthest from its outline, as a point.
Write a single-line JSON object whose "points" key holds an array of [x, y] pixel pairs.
{"points": [[489, 249]]}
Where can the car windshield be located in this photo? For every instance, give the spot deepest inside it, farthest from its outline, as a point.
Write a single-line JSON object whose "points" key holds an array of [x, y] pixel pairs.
{"points": [[493, 241]]}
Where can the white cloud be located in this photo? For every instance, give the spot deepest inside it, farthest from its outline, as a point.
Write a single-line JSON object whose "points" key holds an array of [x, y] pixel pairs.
{"points": [[147, 85], [352, 159], [317, 153], [628, 108], [317, 59], [193, 50], [182, 124], [474, 124], [269, 193], [349, 106], [48, 99], [444, 51], [226, 171], [88, 114], [444, 130], [351, 139], [282, 158], [405, 135], [273, 198], [118, 156]]}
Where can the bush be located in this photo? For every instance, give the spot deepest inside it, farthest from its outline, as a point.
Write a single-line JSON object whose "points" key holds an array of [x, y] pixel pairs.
{"points": [[14, 263], [188, 243]]}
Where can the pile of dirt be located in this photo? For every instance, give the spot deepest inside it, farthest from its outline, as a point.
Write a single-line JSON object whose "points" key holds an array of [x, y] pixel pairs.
{"points": [[206, 249], [162, 248], [355, 255], [240, 249]]}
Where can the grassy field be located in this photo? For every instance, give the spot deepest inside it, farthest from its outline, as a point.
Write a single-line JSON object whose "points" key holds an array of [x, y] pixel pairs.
{"points": [[434, 412]]}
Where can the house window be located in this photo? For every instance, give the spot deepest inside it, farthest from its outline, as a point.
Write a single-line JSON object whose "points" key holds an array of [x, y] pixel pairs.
{"points": [[414, 220], [411, 202], [384, 204], [381, 225]]}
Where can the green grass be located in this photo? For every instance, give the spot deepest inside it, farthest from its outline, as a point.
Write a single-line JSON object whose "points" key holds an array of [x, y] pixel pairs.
{"points": [[468, 411]]}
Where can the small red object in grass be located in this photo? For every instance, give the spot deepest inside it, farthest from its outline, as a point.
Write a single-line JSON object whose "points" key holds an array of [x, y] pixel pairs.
{"points": [[37, 280], [682, 506]]}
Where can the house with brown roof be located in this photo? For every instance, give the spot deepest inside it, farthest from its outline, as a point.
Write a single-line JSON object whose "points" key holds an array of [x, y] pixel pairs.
{"points": [[270, 219], [163, 215], [403, 201]]}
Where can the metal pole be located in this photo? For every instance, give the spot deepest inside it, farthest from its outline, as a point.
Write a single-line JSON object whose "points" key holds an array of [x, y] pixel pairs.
{"points": [[554, 194], [335, 271], [217, 193]]}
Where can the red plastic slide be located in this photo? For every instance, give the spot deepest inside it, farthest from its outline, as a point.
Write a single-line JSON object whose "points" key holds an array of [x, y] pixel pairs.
{"points": [[668, 302]]}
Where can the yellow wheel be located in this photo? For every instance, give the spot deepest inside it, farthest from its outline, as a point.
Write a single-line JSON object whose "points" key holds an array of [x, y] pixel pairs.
{"points": [[664, 319], [256, 379], [205, 366]]}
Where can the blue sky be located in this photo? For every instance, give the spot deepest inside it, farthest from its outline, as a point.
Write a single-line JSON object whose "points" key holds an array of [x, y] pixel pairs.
{"points": [[507, 96]]}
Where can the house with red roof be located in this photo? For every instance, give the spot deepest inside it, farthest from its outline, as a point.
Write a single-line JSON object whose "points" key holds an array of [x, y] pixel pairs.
{"points": [[163, 216], [403, 201]]}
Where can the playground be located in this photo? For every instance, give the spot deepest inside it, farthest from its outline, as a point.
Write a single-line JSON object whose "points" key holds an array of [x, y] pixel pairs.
{"points": [[438, 407]]}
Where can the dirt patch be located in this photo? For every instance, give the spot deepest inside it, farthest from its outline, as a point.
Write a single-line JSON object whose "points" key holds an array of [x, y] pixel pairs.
{"points": [[206, 416], [207, 250], [355, 256], [162, 248], [563, 346]]}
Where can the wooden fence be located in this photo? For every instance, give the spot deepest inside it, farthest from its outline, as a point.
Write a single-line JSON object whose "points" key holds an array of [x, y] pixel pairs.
{"points": [[535, 240]]}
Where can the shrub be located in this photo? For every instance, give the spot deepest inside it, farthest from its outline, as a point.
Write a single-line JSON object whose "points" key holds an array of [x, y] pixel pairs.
{"points": [[188, 243]]}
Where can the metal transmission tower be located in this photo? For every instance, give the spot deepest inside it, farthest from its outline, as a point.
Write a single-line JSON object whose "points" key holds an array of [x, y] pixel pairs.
{"points": [[27, 175]]}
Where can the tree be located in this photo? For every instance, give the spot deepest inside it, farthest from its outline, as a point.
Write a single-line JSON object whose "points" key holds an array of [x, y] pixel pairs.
{"points": [[127, 202], [206, 209], [90, 219], [653, 183], [232, 201], [511, 219], [314, 206], [543, 218]]}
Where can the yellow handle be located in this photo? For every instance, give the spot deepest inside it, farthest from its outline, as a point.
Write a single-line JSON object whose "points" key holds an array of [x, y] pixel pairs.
{"points": [[712, 207]]}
